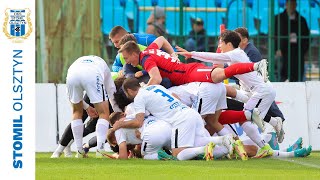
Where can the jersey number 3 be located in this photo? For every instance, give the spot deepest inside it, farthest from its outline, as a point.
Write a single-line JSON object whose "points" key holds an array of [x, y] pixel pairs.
{"points": [[170, 98]]}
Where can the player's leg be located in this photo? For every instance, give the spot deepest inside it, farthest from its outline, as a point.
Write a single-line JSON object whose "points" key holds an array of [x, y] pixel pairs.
{"points": [[102, 125], [75, 91], [276, 120], [156, 137], [183, 137], [211, 100], [219, 74], [77, 126]]}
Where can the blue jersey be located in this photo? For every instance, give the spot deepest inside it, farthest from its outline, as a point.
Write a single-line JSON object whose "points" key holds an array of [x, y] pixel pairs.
{"points": [[144, 39]]}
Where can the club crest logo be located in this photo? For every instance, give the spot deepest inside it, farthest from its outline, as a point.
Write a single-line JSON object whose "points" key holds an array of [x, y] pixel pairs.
{"points": [[17, 24]]}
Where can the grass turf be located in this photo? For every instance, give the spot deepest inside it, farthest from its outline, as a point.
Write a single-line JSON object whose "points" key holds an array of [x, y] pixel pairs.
{"points": [[93, 168]]}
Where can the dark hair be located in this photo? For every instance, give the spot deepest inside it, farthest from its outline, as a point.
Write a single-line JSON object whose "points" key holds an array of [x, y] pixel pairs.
{"points": [[118, 82], [115, 116], [131, 83], [232, 37], [119, 97], [197, 21], [243, 32], [115, 30], [126, 38]]}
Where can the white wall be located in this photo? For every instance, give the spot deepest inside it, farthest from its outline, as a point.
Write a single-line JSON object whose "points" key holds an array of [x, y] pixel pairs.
{"points": [[299, 102], [313, 100], [46, 117]]}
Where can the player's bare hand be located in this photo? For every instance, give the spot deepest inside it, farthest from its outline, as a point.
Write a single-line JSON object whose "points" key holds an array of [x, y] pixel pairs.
{"points": [[120, 73], [138, 74], [117, 125], [187, 54], [180, 49], [92, 112]]}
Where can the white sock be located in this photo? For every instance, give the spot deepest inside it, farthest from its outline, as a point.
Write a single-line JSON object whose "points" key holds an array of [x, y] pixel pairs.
{"points": [[202, 141], [241, 96], [59, 149], [273, 121], [223, 132], [190, 153], [281, 154], [248, 114], [219, 151], [77, 131], [153, 156], [266, 137], [70, 143], [101, 131], [252, 132]]}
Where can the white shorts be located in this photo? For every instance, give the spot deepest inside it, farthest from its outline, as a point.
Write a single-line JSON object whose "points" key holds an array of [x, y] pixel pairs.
{"points": [[184, 133], [155, 137], [211, 98], [82, 78], [262, 100]]}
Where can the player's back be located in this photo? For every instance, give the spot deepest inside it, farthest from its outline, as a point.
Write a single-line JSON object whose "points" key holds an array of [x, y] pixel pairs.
{"points": [[187, 93], [169, 67], [144, 39], [92, 62], [160, 103], [128, 135]]}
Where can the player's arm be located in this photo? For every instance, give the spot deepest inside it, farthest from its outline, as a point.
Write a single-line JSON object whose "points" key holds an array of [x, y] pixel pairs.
{"points": [[123, 153], [111, 89], [117, 66], [136, 123], [176, 96], [155, 77], [164, 44], [211, 57]]}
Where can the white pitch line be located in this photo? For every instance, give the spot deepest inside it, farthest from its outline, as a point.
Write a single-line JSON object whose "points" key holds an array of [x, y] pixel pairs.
{"points": [[299, 162]]}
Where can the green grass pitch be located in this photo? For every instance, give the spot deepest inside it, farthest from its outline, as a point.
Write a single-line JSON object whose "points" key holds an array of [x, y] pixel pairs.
{"points": [[93, 168]]}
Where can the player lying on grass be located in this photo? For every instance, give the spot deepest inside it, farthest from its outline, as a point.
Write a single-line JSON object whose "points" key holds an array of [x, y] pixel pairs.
{"points": [[186, 123], [155, 135], [152, 136]]}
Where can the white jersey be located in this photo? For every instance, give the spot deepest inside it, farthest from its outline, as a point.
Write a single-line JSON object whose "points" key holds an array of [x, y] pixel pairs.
{"points": [[160, 103], [251, 81], [205, 98], [187, 93], [92, 62], [128, 135], [91, 74]]}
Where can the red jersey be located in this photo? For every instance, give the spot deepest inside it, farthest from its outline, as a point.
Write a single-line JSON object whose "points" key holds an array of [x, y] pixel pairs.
{"points": [[169, 67]]}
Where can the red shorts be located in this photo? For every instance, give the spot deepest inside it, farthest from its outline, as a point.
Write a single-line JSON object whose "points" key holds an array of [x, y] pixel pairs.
{"points": [[200, 73]]}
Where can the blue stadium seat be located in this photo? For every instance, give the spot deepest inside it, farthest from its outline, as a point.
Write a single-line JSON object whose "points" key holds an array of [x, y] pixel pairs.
{"points": [[311, 12], [111, 15], [202, 3], [235, 17], [212, 20], [261, 13], [260, 10]]}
